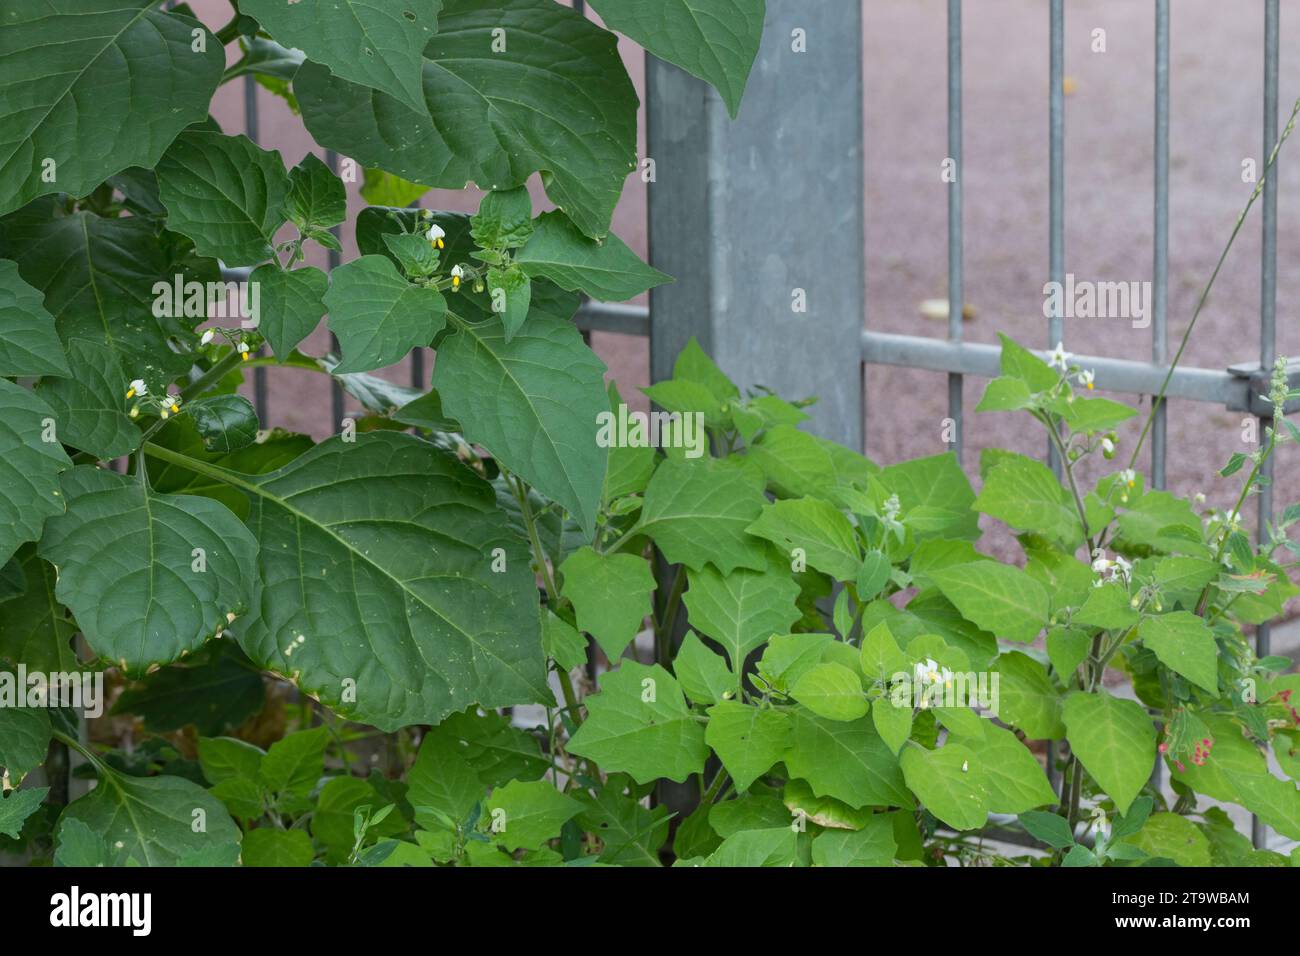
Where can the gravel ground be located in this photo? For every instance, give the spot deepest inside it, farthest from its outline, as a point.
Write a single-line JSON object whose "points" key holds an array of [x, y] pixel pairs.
{"points": [[1215, 124]]}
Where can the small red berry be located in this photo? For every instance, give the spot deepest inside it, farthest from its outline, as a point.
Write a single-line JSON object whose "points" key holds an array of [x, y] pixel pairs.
{"points": [[1163, 748]]}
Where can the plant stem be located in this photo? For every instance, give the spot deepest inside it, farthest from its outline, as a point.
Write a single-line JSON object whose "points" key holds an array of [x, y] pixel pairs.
{"points": [[665, 622]]}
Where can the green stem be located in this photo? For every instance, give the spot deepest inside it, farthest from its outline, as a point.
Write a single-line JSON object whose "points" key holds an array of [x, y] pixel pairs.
{"points": [[665, 622]]}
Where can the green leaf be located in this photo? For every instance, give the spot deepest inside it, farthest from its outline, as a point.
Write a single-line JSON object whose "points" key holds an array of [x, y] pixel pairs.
{"points": [[384, 189], [1066, 649], [16, 806], [1012, 775], [443, 786], [1024, 494], [845, 760], [317, 199], [1115, 741], [1185, 644], [372, 43], [227, 758], [630, 466], [90, 407], [704, 675], [741, 610], [497, 750], [378, 316], [333, 823], [385, 605], [1173, 837], [152, 820], [29, 468], [557, 99], [563, 644], [224, 193], [893, 723], [748, 740], [35, 628], [266, 846], [697, 511], [295, 763], [1051, 828], [215, 689], [873, 575], [716, 40], [997, 597], [873, 845], [82, 88], [1163, 522], [100, 278], [1107, 607], [610, 595], [533, 403], [935, 496], [511, 292], [694, 365], [819, 529], [292, 303], [606, 270], [1018, 362], [504, 219], [1005, 394], [531, 813], [640, 724], [1027, 698], [882, 658], [148, 576], [1095, 414], [28, 342], [225, 422], [949, 782], [631, 834], [748, 812], [832, 691], [24, 739], [751, 848]]}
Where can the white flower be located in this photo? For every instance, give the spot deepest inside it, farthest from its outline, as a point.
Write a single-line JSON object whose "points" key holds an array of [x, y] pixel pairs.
{"points": [[1086, 378], [1102, 564], [207, 336], [242, 348], [1107, 446], [1059, 357], [892, 507], [1129, 477], [1122, 567], [457, 273], [436, 234], [137, 388]]}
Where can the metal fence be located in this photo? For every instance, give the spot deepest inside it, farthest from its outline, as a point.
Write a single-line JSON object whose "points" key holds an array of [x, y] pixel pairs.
{"points": [[692, 139]]}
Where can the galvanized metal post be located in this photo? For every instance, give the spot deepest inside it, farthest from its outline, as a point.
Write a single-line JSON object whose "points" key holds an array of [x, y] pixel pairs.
{"points": [[956, 294], [1056, 184], [760, 219]]}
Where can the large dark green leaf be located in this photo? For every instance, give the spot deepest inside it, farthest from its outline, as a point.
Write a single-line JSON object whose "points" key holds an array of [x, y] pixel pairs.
{"points": [[532, 402], [28, 343], [292, 304], [557, 99], [148, 576], [378, 590], [35, 628], [371, 42], [607, 269], [216, 690], [224, 193], [95, 86], [30, 461], [378, 316], [91, 409]]}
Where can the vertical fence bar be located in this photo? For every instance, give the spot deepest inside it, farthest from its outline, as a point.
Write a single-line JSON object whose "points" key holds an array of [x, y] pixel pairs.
{"points": [[336, 391], [956, 294], [1160, 269], [251, 124], [1268, 298], [1056, 185]]}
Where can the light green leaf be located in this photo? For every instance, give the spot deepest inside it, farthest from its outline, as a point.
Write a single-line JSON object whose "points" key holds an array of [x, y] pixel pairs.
{"points": [[832, 691], [29, 468], [511, 292], [845, 760], [366, 41], [882, 658], [788, 656], [1173, 837], [606, 270], [997, 597], [82, 89], [1005, 394], [90, 406], [610, 595], [751, 848], [741, 610], [631, 834], [1027, 698], [640, 724], [697, 510], [1019, 362], [224, 193], [378, 316], [1164, 522], [893, 723], [873, 845], [1115, 741], [563, 644], [227, 758], [295, 763], [1185, 644], [1051, 828], [1024, 494], [389, 597], [28, 342], [935, 496], [1066, 649], [1107, 607], [748, 740], [819, 529], [533, 403], [151, 819], [1095, 414], [504, 219], [533, 813], [267, 846], [317, 199], [949, 782], [1014, 779], [292, 303], [704, 675], [873, 575], [443, 786], [716, 40], [694, 365], [497, 750], [557, 99], [384, 189], [129, 572]]}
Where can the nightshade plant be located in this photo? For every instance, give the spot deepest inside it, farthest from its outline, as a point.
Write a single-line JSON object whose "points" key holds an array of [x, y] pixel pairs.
{"points": [[454, 553]]}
